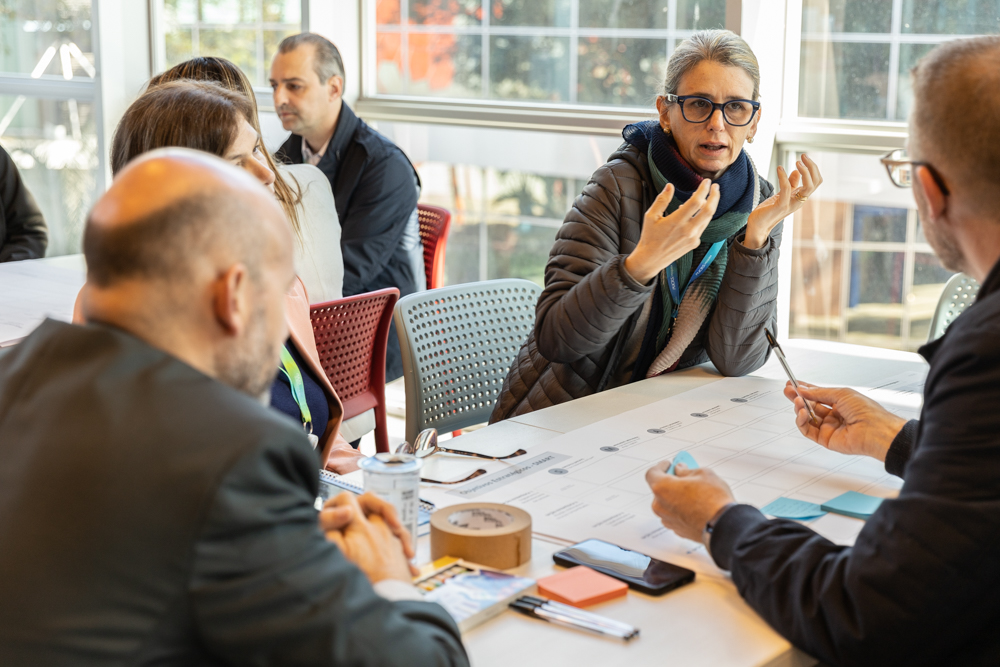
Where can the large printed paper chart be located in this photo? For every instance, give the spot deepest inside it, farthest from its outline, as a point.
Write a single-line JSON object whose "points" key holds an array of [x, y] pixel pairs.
{"points": [[590, 483]]}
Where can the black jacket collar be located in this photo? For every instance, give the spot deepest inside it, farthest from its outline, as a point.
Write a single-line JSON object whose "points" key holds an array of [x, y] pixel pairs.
{"points": [[990, 285], [347, 125]]}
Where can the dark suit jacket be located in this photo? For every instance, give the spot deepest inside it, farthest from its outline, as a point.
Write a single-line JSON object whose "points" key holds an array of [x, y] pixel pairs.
{"points": [[921, 585], [23, 234], [149, 514], [374, 188]]}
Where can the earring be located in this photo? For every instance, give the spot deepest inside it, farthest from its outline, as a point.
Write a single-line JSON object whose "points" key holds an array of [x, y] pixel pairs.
{"points": [[750, 139], [668, 132]]}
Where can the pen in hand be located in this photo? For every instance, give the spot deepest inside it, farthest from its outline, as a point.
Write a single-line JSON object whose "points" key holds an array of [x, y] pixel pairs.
{"points": [[813, 419]]}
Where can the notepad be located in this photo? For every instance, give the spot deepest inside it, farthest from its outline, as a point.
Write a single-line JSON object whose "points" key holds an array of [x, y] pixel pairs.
{"points": [[580, 587], [471, 593], [853, 504], [789, 508], [685, 458]]}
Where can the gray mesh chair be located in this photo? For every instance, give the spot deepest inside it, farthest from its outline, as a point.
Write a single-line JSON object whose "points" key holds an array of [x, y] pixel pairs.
{"points": [[458, 343], [959, 292]]}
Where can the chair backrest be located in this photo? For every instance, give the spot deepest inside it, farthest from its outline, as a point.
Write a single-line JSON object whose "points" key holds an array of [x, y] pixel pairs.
{"points": [[434, 224], [351, 334], [959, 292], [458, 343]]}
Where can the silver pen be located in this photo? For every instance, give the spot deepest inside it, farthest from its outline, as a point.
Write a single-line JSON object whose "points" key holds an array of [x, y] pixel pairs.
{"points": [[791, 376], [568, 621], [567, 610]]}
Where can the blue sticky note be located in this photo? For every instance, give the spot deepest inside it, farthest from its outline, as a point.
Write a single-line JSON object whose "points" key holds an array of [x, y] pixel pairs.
{"points": [[789, 508], [853, 504], [685, 458]]}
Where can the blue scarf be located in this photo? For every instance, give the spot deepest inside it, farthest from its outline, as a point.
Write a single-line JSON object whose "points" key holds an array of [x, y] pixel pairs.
{"points": [[738, 190]]}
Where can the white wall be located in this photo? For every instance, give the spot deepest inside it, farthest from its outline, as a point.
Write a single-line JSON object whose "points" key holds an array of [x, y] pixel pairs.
{"points": [[123, 65]]}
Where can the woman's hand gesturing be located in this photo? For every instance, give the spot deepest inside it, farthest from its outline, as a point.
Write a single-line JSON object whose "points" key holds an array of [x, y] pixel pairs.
{"points": [[666, 238], [792, 191]]}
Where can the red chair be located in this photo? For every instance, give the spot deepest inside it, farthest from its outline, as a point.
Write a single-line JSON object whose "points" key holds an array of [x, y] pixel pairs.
{"points": [[351, 334], [434, 224]]}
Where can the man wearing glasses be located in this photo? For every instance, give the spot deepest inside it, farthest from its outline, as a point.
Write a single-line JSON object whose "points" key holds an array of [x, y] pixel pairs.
{"points": [[921, 583]]}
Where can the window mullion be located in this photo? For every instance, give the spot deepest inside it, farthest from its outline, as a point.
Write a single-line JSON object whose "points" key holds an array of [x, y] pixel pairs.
{"points": [[484, 58], [893, 82]]}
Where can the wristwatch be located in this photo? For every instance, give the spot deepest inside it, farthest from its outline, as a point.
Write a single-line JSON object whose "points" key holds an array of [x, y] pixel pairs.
{"points": [[706, 534]]}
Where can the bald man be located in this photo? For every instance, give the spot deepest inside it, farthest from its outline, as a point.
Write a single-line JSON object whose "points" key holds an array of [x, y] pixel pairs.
{"points": [[921, 584], [152, 509]]}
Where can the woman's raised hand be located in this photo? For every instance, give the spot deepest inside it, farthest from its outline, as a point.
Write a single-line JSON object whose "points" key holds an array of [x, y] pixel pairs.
{"points": [[792, 192], [666, 238]]}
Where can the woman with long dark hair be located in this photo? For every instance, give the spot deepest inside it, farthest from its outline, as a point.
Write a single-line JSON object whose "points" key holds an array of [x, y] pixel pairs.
{"points": [[303, 190], [162, 117]]}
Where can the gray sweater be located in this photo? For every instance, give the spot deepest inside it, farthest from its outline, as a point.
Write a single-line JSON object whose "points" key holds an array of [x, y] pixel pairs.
{"points": [[591, 316]]}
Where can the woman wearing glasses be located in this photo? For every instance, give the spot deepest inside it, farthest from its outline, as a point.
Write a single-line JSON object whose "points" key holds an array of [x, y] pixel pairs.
{"points": [[669, 256]]}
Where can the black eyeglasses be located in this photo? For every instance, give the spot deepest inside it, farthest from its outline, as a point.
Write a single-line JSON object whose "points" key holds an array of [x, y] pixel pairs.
{"points": [[699, 109], [900, 169]]}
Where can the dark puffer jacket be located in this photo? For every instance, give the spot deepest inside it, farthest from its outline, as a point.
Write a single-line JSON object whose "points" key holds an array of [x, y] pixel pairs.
{"points": [[590, 319]]}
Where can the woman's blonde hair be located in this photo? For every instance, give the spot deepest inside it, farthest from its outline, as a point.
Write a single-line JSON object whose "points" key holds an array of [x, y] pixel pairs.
{"points": [[225, 72], [721, 46]]}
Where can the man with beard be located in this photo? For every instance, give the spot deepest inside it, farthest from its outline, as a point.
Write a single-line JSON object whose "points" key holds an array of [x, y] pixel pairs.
{"points": [[921, 585], [152, 509], [374, 185]]}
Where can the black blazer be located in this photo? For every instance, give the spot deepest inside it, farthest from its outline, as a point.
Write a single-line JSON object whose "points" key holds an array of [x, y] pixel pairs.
{"points": [[149, 514], [375, 190], [23, 234], [921, 585]]}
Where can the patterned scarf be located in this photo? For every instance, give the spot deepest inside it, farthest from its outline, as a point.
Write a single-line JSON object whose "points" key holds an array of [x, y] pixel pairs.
{"points": [[739, 194]]}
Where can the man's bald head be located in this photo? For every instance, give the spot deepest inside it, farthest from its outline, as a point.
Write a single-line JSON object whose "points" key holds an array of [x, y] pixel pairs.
{"points": [[194, 256], [173, 210], [955, 125]]}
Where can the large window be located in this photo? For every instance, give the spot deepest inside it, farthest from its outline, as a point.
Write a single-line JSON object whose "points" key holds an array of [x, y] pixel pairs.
{"points": [[592, 52], [246, 32], [48, 122], [508, 192], [861, 269], [856, 54]]}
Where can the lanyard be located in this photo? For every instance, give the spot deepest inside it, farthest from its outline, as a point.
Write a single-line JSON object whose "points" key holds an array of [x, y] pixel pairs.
{"points": [[673, 280], [298, 386]]}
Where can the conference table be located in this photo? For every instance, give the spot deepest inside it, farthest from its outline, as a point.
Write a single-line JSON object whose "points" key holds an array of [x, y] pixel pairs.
{"points": [[34, 289], [704, 623]]}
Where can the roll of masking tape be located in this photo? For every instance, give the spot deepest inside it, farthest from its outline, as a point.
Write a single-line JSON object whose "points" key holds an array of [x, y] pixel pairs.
{"points": [[498, 536]]}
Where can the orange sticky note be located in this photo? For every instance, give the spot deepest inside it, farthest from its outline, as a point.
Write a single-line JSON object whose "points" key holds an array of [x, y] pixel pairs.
{"points": [[580, 586]]}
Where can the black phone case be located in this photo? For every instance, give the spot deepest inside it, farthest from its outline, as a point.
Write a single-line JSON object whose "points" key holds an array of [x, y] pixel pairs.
{"points": [[684, 576]]}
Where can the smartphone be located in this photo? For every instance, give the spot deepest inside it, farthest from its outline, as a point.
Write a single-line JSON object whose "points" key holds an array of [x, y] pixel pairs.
{"points": [[639, 571]]}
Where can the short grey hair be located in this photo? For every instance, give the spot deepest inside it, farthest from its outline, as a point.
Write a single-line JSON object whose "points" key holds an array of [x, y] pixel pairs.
{"points": [[327, 63], [954, 118], [720, 46]]}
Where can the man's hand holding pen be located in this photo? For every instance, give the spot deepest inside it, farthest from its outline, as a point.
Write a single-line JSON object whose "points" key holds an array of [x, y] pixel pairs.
{"points": [[849, 423]]}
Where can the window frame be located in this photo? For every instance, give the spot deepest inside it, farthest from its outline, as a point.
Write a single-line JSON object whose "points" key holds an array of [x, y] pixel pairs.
{"points": [[521, 115], [158, 45], [91, 90]]}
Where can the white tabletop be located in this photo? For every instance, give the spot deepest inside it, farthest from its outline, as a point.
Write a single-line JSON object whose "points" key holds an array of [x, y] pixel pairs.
{"points": [[704, 623], [34, 289]]}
